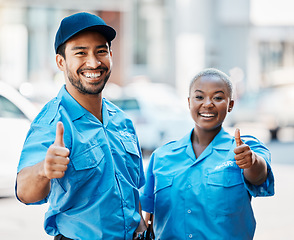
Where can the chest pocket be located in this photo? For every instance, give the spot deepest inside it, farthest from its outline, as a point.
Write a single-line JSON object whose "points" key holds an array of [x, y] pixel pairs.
{"points": [[88, 167], [162, 194], [132, 160], [162, 201], [226, 193], [130, 147], [88, 159], [162, 183]]}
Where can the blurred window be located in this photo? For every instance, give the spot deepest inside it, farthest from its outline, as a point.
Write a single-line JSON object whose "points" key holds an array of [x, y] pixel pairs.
{"points": [[9, 110], [273, 56]]}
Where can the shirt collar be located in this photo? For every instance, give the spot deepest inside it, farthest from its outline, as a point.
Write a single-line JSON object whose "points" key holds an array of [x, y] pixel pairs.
{"points": [[107, 112], [185, 143], [222, 141], [74, 109]]}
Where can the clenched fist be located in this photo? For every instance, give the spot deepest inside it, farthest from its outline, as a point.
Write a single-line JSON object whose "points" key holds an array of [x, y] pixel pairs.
{"points": [[244, 157]]}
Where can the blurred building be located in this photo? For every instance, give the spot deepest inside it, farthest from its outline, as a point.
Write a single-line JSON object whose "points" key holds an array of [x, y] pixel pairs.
{"points": [[27, 32], [166, 40]]}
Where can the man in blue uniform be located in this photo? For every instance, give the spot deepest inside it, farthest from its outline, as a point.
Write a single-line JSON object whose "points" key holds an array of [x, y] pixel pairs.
{"points": [[82, 153]]}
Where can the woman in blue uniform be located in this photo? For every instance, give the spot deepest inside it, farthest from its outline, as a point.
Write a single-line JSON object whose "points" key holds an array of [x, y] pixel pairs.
{"points": [[200, 187]]}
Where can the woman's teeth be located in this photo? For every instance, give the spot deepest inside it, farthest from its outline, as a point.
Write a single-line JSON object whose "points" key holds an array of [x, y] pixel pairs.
{"points": [[206, 115]]}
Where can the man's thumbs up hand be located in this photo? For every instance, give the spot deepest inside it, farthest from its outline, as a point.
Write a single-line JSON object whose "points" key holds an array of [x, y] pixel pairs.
{"points": [[56, 159], [244, 157], [59, 135]]}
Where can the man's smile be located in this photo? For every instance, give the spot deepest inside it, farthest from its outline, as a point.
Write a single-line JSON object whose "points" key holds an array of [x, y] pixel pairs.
{"points": [[92, 75]]}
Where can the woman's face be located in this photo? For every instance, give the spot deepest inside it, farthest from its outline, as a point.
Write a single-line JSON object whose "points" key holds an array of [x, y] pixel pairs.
{"points": [[209, 102]]}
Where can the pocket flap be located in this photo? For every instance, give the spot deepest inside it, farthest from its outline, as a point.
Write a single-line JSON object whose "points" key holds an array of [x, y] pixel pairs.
{"points": [[131, 147], [225, 178], [88, 159], [163, 182]]}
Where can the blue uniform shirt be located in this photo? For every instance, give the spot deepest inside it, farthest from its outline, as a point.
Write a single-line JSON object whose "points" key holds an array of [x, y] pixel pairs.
{"points": [[98, 197], [203, 198]]}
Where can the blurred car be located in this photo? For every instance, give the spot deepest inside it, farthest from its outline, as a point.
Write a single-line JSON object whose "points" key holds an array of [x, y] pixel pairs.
{"points": [[271, 108], [158, 114], [16, 114]]}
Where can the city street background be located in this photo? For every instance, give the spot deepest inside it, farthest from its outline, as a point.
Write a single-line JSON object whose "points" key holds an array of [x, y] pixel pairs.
{"points": [[274, 215], [159, 47]]}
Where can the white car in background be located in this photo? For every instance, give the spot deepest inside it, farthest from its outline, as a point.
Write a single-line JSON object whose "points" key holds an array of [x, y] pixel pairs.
{"points": [[16, 114], [158, 113]]}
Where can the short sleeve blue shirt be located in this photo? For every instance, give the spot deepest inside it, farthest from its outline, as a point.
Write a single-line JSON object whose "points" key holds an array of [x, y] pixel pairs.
{"points": [[98, 198], [203, 198]]}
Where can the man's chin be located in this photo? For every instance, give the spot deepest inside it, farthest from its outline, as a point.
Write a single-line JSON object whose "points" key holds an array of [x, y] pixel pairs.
{"points": [[91, 91]]}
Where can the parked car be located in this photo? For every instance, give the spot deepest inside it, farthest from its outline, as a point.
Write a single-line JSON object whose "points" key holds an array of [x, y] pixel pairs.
{"points": [[159, 115], [16, 114]]}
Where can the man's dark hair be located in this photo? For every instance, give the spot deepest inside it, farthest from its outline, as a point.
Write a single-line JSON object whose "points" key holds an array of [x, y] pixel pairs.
{"points": [[61, 50]]}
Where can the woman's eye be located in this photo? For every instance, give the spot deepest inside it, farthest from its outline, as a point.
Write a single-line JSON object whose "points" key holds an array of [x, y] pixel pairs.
{"points": [[199, 97], [218, 98]]}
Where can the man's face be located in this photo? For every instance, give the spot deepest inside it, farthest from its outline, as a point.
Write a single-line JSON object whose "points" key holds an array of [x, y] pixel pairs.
{"points": [[87, 64]]}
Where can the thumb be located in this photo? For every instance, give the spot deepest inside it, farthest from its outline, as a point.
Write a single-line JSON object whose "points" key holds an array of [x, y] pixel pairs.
{"points": [[238, 137], [59, 135]]}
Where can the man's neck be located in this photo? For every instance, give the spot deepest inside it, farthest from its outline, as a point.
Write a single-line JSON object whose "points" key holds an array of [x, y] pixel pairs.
{"points": [[91, 102]]}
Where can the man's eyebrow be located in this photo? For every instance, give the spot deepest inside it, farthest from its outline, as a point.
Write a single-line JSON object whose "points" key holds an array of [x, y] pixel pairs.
{"points": [[102, 46], [79, 48], [84, 48]]}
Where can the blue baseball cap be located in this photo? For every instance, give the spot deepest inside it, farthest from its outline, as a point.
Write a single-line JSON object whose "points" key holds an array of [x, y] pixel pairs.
{"points": [[78, 22]]}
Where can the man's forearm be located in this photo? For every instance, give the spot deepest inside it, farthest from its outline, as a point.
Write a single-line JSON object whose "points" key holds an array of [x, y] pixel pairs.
{"points": [[32, 185]]}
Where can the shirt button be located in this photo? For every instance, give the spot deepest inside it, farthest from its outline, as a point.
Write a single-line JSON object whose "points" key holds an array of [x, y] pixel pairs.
{"points": [[190, 236], [189, 186], [189, 211]]}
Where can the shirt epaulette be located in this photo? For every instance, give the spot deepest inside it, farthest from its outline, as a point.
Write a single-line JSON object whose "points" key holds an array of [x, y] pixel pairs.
{"points": [[48, 112]]}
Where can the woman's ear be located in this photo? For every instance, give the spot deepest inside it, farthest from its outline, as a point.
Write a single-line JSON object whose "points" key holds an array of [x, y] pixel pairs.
{"points": [[231, 105], [60, 61], [189, 102]]}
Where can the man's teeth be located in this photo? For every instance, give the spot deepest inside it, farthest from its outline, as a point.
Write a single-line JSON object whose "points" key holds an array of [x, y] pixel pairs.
{"points": [[206, 114], [92, 75]]}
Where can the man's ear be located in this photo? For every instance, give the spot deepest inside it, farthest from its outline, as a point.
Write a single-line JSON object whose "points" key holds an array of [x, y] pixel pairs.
{"points": [[60, 61], [231, 105]]}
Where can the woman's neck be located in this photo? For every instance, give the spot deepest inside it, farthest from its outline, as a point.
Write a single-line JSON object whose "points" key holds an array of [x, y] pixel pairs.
{"points": [[202, 138]]}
